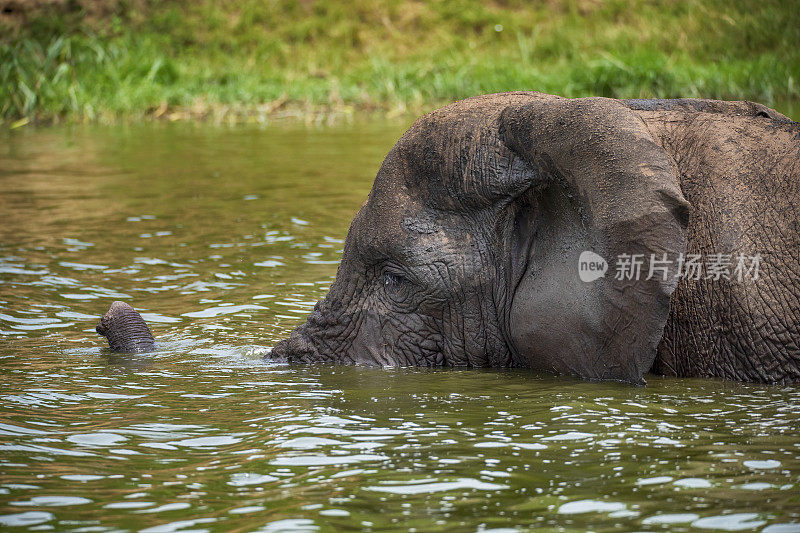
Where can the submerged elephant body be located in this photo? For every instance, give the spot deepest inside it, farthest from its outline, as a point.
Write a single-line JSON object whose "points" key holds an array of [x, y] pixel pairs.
{"points": [[469, 249]]}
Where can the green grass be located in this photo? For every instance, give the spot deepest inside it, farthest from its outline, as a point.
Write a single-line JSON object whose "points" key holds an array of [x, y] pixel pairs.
{"points": [[252, 60]]}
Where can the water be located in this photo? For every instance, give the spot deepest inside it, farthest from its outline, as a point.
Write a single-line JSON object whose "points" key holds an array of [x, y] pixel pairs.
{"points": [[226, 237]]}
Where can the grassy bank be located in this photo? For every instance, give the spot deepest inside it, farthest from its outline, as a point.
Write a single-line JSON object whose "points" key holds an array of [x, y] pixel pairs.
{"points": [[255, 60]]}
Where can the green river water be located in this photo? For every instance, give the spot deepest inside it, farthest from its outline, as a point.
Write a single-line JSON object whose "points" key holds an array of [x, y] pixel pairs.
{"points": [[225, 238]]}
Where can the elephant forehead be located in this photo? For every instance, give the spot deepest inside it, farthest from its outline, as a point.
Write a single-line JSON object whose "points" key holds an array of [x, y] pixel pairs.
{"points": [[453, 129], [454, 158], [439, 148]]}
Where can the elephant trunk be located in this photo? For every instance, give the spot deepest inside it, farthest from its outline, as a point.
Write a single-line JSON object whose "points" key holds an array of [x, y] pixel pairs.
{"points": [[298, 348], [125, 330], [280, 352]]}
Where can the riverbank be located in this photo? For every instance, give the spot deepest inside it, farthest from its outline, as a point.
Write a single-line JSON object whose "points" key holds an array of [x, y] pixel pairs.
{"points": [[249, 61]]}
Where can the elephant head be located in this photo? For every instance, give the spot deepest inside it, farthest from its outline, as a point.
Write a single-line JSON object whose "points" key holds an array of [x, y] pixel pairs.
{"points": [[466, 251]]}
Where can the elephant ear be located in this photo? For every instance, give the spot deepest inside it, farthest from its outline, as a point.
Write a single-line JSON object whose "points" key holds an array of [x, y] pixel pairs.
{"points": [[603, 187]]}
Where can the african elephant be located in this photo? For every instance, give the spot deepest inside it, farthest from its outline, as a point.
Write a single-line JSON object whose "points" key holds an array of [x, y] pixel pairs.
{"points": [[472, 246]]}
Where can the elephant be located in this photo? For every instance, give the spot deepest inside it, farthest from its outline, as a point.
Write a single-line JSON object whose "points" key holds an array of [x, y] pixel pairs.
{"points": [[487, 236]]}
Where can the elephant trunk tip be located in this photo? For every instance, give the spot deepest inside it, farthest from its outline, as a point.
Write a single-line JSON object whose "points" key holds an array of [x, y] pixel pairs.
{"points": [[125, 330]]}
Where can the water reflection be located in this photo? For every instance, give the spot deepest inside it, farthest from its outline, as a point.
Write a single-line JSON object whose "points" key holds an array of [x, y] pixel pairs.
{"points": [[225, 239], [175, 219]]}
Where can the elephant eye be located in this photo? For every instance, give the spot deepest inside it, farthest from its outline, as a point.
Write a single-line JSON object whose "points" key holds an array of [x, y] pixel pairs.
{"points": [[399, 292], [392, 281]]}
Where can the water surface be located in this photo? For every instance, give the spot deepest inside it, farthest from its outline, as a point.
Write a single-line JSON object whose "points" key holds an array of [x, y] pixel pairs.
{"points": [[225, 238]]}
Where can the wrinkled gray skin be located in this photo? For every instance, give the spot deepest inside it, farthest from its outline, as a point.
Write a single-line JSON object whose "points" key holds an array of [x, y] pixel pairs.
{"points": [[466, 251]]}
